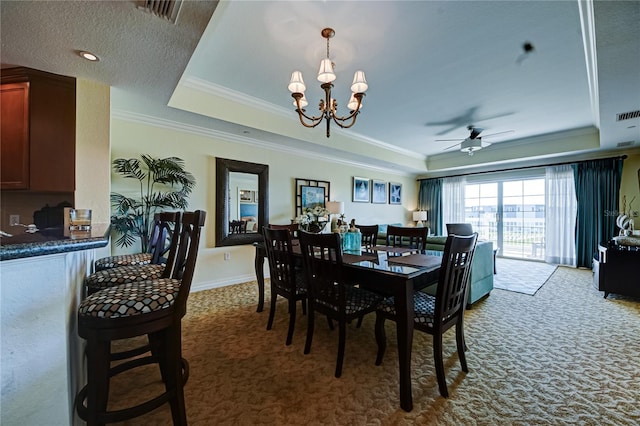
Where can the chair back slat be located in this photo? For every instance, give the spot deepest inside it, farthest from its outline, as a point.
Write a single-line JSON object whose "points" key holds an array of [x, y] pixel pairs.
{"points": [[369, 235], [162, 236], [459, 229], [186, 253], [293, 228], [399, 236], [237, 227], [281, 260], [322, 257], [451, 294]]}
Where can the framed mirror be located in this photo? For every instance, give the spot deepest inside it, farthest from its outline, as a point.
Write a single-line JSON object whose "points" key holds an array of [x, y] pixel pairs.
{"points": [[242, 201]]}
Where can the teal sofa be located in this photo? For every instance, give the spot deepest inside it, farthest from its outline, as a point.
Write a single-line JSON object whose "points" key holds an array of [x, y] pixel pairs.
{"points": [[481, 278]]}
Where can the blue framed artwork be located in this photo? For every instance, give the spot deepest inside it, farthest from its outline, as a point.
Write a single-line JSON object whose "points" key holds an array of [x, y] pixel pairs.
{"points": [[312, 196], [395, 193], [361, 191]]}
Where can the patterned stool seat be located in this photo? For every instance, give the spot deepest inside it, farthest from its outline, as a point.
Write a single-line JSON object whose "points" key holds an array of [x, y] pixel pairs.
{"points": [[136, 259], [130, 299], [122, 275]]}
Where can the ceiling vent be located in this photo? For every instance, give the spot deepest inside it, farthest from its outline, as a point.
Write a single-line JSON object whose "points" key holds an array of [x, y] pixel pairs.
{"points": [[624, 144], [166, 9], [627, 115]]}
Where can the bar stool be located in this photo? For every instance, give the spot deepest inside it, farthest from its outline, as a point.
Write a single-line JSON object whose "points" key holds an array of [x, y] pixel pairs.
{"points": [[163, 237], [137, 259], [154, 308]]}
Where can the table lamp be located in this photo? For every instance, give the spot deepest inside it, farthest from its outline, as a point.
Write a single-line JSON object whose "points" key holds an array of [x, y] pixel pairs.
{"points": [[335, 208], [419, 216]]}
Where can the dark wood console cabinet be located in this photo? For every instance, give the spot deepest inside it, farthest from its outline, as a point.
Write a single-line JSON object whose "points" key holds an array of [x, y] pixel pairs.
{"points": [[38, 131], [617, 270]]}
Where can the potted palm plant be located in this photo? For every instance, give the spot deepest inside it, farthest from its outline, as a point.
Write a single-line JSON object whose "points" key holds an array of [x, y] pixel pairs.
{"points": [[163, 184]]}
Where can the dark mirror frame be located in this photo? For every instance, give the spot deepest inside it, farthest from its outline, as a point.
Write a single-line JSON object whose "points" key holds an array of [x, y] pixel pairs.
{"points": [[225, 166]]}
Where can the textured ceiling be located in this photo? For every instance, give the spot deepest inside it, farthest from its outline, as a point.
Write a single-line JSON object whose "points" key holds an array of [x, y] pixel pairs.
{"points": [[433, 69]]}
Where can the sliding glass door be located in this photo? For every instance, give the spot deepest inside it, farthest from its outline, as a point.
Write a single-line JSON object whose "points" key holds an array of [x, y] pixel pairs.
{"points": [[511, 214]]}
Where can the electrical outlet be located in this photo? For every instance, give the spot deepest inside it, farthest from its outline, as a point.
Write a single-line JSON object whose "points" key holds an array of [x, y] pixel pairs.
{"points": [[227, 256], [14, 219]]}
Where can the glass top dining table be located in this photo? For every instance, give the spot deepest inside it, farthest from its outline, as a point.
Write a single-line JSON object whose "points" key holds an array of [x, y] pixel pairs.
{"points": [[390, 271]]}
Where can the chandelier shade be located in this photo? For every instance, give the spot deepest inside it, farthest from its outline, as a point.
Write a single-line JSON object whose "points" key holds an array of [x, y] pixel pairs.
{"points": [[359, 84], [325, 73], [328, 106], [296, 84]]}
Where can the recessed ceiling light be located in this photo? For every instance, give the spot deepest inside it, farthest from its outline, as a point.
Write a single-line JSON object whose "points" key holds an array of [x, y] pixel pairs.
{"points": [[88, 56]]}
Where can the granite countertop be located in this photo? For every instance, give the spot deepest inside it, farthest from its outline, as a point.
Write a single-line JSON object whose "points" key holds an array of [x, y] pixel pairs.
{"points": [[52, 241]]}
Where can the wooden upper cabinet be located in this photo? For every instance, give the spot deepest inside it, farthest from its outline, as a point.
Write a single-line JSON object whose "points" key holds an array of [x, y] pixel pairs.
{"points": [[38, 131], [14, 103]]}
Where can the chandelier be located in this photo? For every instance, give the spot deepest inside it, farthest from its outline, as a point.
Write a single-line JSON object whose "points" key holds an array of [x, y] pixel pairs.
{"points": [[328, 106]]}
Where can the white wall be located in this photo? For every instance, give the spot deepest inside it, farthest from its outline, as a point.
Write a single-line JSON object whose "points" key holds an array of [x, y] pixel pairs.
{"points": [[199, 150]]}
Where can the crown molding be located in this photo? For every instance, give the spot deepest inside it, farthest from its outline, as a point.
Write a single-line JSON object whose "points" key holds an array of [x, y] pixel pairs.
{"points": [[213, 133], [267, 107]]}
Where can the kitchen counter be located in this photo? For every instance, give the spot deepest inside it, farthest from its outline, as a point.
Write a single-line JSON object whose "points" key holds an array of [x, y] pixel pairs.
{"points": [[51, 241]]}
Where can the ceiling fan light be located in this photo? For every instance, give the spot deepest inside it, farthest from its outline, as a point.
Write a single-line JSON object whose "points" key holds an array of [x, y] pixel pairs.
{"points": [[353, 103], [359, 84], [296, 84], [326, 74]]}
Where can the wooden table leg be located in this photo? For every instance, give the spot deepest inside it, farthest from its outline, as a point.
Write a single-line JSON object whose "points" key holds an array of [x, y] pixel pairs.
{"points": [[404, 324], [259, 266]]}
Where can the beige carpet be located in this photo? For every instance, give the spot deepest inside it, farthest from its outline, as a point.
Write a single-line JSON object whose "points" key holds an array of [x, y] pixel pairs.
{"points": [[565, 356]]}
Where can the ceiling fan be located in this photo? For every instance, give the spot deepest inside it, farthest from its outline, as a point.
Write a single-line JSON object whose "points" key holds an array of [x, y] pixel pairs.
{"points": [[474, 141]]}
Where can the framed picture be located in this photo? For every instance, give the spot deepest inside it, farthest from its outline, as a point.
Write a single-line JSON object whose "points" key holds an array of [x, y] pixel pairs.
{"points": [[395, 193], [246, 196], [361, 192], [312, 196], [307, 190], [378, 192]]}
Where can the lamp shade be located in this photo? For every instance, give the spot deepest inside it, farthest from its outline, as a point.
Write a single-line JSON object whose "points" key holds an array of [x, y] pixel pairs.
{"points": [[335, 207], [326, 74], [353, 103], [420, 215], [296, 84], [359, 84]]}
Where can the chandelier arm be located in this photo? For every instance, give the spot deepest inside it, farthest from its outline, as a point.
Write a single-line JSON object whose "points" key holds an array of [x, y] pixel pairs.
{"points": [[340, 120], [352, 116], [314, 120]]}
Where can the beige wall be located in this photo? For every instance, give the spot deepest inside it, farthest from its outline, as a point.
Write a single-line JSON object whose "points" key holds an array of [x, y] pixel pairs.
{"points": [[630, 185], [93, 148], [199, 150]]}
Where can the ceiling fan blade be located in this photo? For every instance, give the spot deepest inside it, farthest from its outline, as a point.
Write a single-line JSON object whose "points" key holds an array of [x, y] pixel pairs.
{"points": [[452, 146], [449, 140], [499, 133], [485, 144]]}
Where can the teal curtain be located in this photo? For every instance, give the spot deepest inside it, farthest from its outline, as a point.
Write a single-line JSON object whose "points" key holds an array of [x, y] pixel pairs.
{"points": [[430, 199], [597, 185]]}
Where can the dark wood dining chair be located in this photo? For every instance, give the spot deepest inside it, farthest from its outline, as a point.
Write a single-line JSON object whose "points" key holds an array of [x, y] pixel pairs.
{"points": [[327, 291], [237, 227], [459, 229], [400, 236], [436, 314], [369, 236], [287, 279], [154, 308], [292, 227], [165, 238]]}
